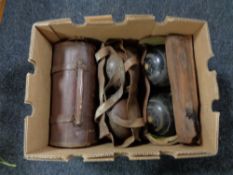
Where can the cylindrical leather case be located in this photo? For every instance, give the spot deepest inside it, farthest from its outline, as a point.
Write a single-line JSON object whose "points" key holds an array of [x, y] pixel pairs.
{"points": [[74, 89]]}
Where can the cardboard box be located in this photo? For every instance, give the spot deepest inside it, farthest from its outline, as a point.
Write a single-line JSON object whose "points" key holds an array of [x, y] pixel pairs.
{"points": [[44, 34]]}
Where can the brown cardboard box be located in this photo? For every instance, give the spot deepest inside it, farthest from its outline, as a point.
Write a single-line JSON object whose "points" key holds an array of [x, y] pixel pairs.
{"points": [[101, 28]]}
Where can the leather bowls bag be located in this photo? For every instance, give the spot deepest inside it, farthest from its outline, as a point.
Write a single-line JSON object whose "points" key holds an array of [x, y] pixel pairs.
{"points": [[119, 115], [74, 90]]}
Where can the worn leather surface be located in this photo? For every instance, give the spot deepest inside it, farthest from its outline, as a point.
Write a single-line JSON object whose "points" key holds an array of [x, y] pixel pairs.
{"points": [[183, 80], [74, 83]]}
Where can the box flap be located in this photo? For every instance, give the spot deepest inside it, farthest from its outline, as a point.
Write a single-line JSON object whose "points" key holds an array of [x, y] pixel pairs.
{"points": [[177, 25], [101, 28]]}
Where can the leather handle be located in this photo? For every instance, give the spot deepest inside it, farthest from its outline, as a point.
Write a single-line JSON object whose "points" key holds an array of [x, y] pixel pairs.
{"points": [[79, 97], [67, 67]]}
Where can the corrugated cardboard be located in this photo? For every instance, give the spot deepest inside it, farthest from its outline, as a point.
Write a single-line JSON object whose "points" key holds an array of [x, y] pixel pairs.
{"points": [[44, 34]]}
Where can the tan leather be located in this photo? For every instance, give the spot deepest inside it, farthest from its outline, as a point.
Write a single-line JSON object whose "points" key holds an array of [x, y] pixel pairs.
{"points": [[146, 91], [129, 63], [162, 141], [74, 89]]}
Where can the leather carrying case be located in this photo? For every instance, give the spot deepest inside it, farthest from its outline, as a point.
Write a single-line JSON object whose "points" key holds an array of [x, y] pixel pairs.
{"points": [[74, 89]]}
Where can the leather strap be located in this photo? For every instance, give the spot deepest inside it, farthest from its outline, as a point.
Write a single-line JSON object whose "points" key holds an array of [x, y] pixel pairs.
{"points": [[79, 97], [130, 123], [130, 62], [147, 91], [103, 129], [103, 52], [163, 141], [76, 118], [68, 67], [132, 103], [61, 119], [126, 65], [105, 106], [101, 79]]}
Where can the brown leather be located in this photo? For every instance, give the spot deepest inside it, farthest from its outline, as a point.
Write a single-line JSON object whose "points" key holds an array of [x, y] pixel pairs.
{"points": [[111, 109], [74, 89], [146, 90], [183, 80]]}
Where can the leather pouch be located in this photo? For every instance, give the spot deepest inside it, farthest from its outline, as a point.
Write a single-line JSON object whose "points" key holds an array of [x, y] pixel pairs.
{"points": [[119, 115], [74, 92]]}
